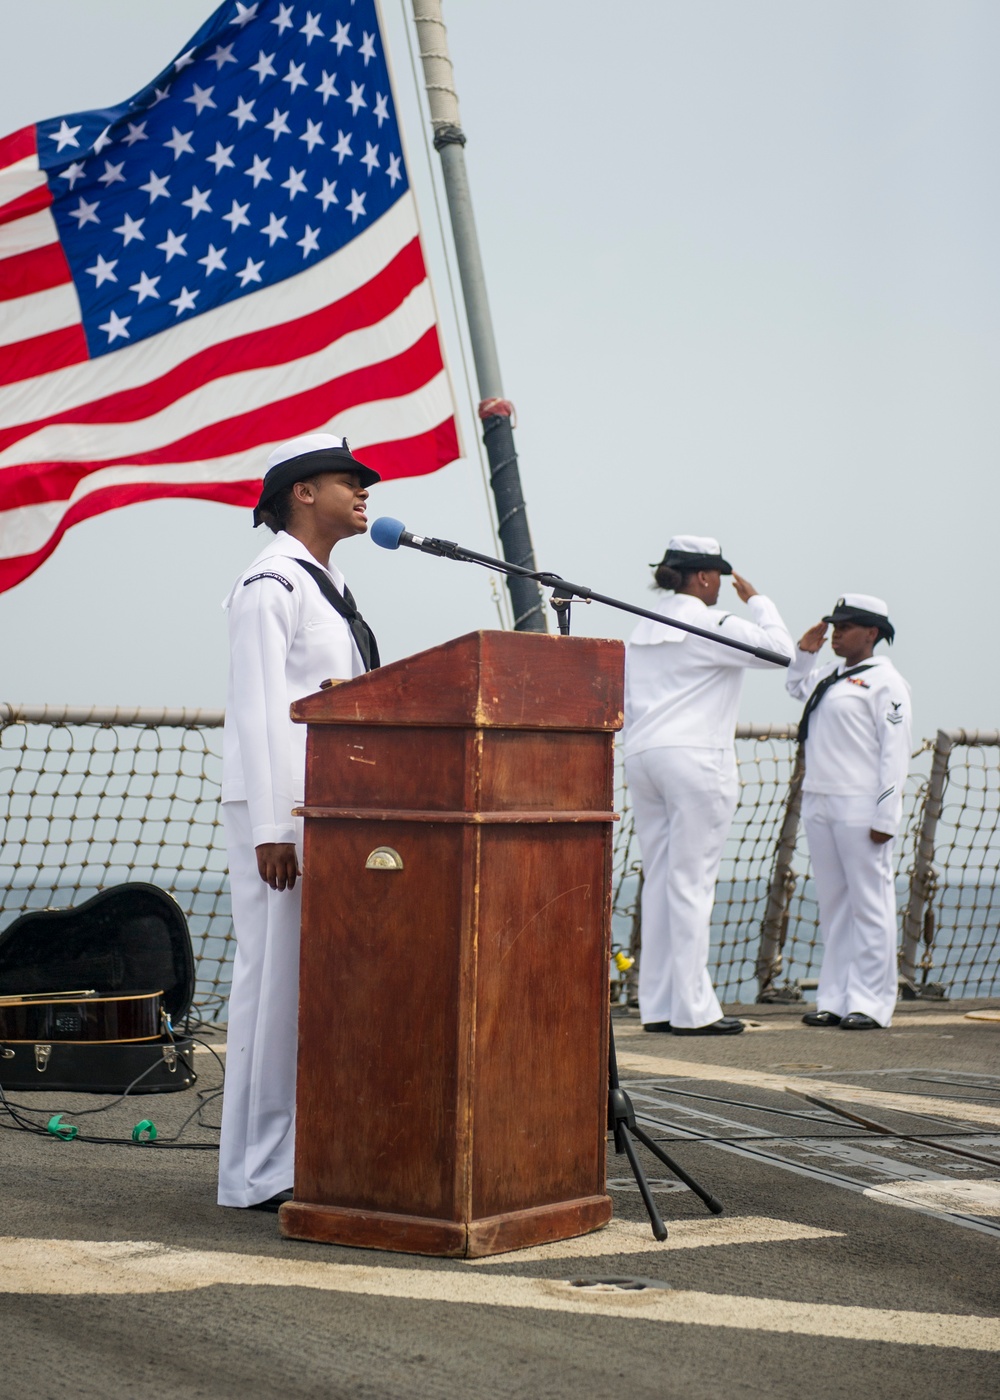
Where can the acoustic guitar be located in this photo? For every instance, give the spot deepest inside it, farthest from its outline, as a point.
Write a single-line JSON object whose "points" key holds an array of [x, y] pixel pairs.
{"points": [[81, 1016]]}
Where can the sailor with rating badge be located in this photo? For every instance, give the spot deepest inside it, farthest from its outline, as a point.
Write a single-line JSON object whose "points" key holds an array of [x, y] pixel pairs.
{"points": [[855, 735], [292, 624]]}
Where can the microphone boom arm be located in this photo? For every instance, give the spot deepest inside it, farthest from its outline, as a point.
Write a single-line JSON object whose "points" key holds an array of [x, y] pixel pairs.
{"points": [[448, 549]]}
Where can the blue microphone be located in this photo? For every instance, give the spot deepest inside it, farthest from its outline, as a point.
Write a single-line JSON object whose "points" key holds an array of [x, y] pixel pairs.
{"points": [[390, 534], [387, 532]]}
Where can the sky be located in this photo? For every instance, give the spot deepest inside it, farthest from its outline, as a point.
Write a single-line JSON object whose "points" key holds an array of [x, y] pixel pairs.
{"points": [[743, 268]]}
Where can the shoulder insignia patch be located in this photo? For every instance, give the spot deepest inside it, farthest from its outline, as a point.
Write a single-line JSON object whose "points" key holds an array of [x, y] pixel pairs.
{"points": [[278, 578], [893, 716]]}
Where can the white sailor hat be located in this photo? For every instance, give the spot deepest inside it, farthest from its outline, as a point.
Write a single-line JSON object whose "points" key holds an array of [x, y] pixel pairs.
{"points": [[306, 456], [695, 552], [864, 609]]}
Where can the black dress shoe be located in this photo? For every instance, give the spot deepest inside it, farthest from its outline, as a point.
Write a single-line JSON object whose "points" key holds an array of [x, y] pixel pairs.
{"points": [[656, 1026], [821, 1018], [725, 1025], [858, 1021], [273, 1203]]}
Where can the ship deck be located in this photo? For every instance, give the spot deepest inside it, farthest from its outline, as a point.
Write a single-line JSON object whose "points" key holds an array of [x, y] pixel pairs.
{"points": [[845, 1258]]}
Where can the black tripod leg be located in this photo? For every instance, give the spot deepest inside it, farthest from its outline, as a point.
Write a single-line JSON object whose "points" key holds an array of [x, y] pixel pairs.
{"points": [[655, 1219], [714, 1205]]}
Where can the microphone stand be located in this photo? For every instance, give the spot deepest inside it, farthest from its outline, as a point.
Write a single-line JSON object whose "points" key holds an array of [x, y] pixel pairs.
{"points": [[621, 1113], [563, 593]]}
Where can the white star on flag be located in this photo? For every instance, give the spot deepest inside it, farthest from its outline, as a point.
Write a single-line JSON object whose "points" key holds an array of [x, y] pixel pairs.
{"points": [[173, 245], [243, 112], [103, 140], [185, 60], [180, 143], [294, 77], [156, 187], [275, 228], [309, 242], [367, 49], [259, 170], [221, 157], [356, 207], [327, 87], [370, 157], [116, 326], [264, 67], [221, 56], [393, 171], [326, 194], [311, 135], [198, 203], [250, 273], [146, 287], [65, 136], [201, 98], [103, 271], [311, 28], [237, 216], [131, 228], [86, 213], [278, 124], [112, 173], [295, 184], [342, 146], [136, 132], [213, 260], [73, 172], [284, 19], [341, 39], [356, 99], [184, 302], [244, 14], [381, 109]]}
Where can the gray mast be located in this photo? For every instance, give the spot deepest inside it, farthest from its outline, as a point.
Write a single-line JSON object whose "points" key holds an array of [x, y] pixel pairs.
{"points": [[494, 410]]}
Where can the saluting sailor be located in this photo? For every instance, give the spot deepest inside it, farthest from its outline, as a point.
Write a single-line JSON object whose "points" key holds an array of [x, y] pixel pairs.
{"points": [[292, 625], [682, 694], [855, 730]]}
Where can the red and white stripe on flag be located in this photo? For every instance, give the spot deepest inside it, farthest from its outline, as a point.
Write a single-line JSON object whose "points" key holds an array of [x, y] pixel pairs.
{"points": [[349, 344]]}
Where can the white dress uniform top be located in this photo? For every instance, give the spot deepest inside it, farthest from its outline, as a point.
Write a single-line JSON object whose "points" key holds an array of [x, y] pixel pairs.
{"points": [[857, 755], [682, 696], [285, 638]]}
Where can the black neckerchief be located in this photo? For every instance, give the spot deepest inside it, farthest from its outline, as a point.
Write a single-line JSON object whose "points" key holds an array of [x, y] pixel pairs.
{"points": [[345, 605], [821, 690]]}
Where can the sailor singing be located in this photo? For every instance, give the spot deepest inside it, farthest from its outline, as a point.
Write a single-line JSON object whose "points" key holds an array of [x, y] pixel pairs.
{"points": [[855, 731], [682, 694], [292, 625]]}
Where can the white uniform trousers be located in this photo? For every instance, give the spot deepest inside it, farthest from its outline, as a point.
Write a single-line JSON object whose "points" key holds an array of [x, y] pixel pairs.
{"points": [[257, 1146], [683, 800], [856, 891]]}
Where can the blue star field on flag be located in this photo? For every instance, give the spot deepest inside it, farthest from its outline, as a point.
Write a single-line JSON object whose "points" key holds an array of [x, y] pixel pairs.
{"points": [[267, 145]]}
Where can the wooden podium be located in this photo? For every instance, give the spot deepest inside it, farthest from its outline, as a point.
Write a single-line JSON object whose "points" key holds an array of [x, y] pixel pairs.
{"points": [[453, 1020]]}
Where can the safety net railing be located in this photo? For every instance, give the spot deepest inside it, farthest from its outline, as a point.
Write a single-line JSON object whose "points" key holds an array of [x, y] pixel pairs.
{"points": [[91, 798]]}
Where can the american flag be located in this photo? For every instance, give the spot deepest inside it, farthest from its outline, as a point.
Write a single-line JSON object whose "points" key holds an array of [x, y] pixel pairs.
{"points": [[228, 259]]}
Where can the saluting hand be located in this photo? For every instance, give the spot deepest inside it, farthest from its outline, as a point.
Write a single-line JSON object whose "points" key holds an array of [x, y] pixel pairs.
{"points": [[278, 865], [813, 639], [744, 589]]}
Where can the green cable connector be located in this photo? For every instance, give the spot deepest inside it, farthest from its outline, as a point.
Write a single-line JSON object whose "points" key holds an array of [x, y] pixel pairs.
{"points": [[66, 1132], [144, 1131]]}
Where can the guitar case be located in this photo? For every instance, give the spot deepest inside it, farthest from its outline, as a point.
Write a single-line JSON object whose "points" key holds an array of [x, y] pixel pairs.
{"points": [[128, 939]]}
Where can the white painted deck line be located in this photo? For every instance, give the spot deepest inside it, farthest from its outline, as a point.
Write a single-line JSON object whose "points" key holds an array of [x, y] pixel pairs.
{"points": [[94, 1267], [635, 1062]]}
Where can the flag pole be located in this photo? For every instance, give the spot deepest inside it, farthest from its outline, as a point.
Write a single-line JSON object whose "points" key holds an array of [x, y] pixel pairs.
{"points": [[494, 410]]}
